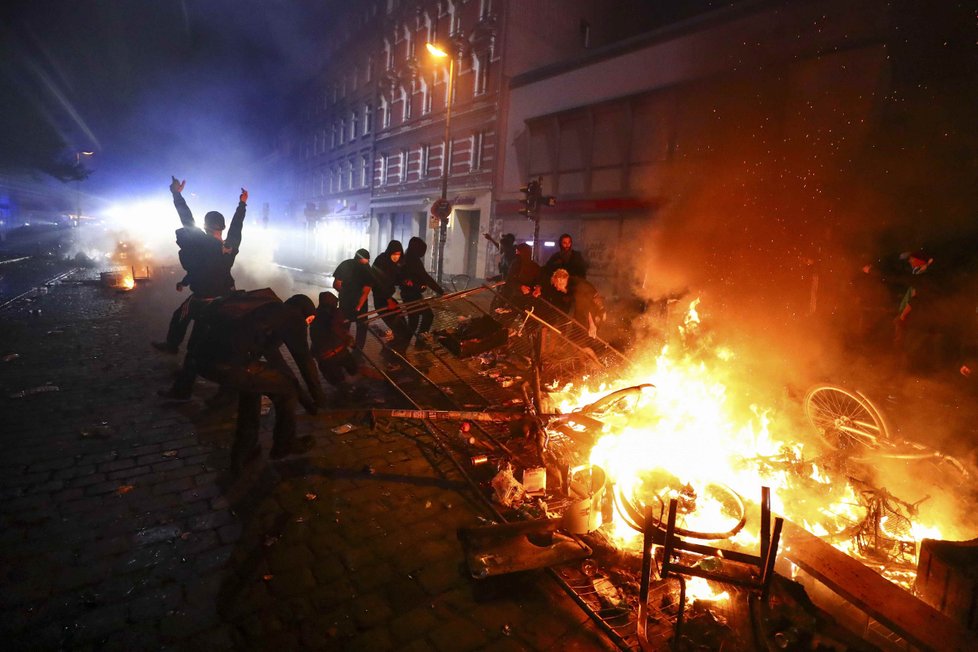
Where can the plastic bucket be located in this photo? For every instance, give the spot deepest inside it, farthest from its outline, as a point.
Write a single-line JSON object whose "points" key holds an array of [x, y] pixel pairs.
{"points": [[586, 485]]}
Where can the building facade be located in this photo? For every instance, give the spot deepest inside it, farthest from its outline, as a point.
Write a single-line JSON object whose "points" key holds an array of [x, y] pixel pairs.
{"points": [[371, 153]]}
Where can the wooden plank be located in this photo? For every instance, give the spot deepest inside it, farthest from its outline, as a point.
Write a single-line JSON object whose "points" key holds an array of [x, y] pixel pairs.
{"points": [[914, 620]]}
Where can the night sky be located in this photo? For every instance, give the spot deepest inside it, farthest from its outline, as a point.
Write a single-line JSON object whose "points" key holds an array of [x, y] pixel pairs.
{"points": [[191, 87]]}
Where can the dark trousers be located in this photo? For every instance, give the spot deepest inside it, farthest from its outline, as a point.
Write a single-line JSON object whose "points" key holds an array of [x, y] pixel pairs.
{"points": [[351, 313], [337, 367], [179, 323], [419, 321], [251, 382], [399, 327]]}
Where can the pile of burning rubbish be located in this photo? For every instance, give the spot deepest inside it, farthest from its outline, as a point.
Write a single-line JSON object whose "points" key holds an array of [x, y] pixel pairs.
{"points": [[617, 485]]}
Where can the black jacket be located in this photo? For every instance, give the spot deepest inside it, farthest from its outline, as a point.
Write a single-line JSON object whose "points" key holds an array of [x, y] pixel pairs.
{"points": [[573, 262], [386, 275], [414, 279], [243, 327], [207, 260]]}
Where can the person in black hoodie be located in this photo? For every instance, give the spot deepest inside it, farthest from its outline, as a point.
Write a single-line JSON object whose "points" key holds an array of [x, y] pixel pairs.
{"points": [[205, 256], [386, 277], [414, 280], [230, 337], [331, 340]]}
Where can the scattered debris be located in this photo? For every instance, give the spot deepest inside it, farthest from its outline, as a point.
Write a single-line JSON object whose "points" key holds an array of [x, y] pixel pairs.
{"points": [[100, 431], [169, 454], [345, 428], [124, 489], [508, 490], [36, 390], [267, 578], [266, 405], [311, 496], [10, 357], [270, 541]]}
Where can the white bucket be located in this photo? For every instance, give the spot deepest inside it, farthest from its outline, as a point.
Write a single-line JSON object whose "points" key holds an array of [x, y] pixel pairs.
{"points": [[586, 489]]}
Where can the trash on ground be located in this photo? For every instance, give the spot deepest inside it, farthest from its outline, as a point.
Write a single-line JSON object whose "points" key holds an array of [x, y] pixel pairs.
{"points": [[342, 430], [35, 390], [10, 357]]}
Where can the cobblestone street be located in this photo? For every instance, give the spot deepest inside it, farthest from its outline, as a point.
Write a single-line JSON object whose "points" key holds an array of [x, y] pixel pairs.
{"points": [[123, 530]]}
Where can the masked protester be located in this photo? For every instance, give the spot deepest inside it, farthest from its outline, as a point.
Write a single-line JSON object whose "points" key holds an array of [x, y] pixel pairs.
{"points": [[206, 258], [353, 280], [231, 336], [386, 271], [523, 282], [330, 337], [414, 280]]}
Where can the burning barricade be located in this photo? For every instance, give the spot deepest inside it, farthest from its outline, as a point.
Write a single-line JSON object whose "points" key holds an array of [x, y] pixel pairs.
{"points": [[645, 479]]}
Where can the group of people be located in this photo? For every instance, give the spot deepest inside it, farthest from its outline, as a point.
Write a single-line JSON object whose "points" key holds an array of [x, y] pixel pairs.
{"points": [[562, 280], [237, 335], [396, 268]]}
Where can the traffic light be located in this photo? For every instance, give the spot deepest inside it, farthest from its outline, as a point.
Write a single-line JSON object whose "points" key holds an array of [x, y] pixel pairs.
{"points": [[531, 198]]}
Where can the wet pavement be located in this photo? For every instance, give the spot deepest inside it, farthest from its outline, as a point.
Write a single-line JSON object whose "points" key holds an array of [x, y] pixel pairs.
{"points": [[122, 528]]}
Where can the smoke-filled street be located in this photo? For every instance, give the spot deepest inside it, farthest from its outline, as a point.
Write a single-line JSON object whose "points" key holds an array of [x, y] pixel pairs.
{"points": [[493, 324]]}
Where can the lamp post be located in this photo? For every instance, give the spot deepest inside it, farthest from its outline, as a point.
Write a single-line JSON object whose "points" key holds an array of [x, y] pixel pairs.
{"points": [[441, 53], [78, 158]]}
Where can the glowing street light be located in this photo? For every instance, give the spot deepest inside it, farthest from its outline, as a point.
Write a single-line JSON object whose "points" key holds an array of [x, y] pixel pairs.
{"points": [[444, 206]]}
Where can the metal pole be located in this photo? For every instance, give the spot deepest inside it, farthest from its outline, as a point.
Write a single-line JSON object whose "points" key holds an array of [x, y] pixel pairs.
{"points": [[446, 162]]}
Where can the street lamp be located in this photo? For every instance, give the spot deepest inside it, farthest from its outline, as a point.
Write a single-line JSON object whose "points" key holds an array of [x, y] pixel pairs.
{"points": [[441, 53]]}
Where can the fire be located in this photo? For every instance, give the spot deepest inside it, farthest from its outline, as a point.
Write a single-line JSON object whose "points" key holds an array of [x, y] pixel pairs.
{"points": [[128, 283], [698, 588], [687, 437]]}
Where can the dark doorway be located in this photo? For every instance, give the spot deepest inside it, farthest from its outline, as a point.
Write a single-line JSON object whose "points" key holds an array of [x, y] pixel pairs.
{"points": [[468, 224]]}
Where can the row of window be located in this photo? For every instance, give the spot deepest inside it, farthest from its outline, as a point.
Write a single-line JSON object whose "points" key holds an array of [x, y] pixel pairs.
{"points": [[401, 44], [359, 122], [393, 169]]}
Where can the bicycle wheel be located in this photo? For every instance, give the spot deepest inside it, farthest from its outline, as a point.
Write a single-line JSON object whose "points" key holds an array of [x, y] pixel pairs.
{"points": [[845, 419], [728, 511]]}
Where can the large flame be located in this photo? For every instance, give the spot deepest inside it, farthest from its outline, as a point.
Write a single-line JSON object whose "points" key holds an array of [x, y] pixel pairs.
{"points": [[687, 434]]}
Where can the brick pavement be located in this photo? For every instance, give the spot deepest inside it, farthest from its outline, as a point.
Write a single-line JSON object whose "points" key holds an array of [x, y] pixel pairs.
{"points": [[121, 529]]}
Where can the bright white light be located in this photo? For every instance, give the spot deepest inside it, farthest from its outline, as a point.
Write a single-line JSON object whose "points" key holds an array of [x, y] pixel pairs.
{"points": [[529, 242], [549, 243]]}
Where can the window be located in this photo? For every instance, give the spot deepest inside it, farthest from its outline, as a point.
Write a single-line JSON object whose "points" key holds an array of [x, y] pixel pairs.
{"points": [[349, 174], [485, 9], [429, 28], [333, 138], [425, 97], [405, 105], [424, 158], [385, 113], [364, 169], [404, 166], [478, 142], [408, 43], [480, 63], [368, 117], [323, 182], [388, 55], [453, 19], [355, 79], [354, 124], [370, 69], [342, 131]]}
